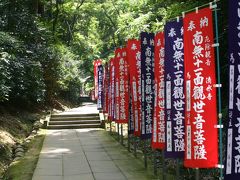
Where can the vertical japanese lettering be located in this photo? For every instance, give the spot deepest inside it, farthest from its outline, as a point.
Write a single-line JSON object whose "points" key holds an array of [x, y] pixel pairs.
{"points": [[147, 83], [233, 133], [201, 112], [175, 97]]}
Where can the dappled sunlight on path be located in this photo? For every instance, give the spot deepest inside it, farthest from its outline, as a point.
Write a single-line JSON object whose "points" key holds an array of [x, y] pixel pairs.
{"points": [[86, 154]]}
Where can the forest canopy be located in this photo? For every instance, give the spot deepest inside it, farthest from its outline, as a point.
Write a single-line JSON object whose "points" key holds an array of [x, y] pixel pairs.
{"points": [[48, 46]]}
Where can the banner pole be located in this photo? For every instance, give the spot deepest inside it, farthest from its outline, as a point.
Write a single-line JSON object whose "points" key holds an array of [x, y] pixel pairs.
{"points": [[135, 147], [155, 162], [129, 138], [121, 134], [118, 132], [197, 174], [163, 165], [219, 94], [178, 169], [145, 153], [110, 128]]}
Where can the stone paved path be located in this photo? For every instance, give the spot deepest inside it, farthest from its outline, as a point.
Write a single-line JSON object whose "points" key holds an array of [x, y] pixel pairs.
{"points": [[86, 154]]}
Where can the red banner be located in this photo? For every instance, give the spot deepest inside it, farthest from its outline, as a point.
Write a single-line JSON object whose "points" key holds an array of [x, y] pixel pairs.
{"points": [[122, 87], [111, 94], [134, 62], [96, 63], [106, 88], [201, 109], [158, 136]]}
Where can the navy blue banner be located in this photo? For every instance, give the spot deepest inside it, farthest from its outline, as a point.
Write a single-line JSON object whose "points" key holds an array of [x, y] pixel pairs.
{"points": [[232, 164], [100, 87], [174, 89], [147, 83]]}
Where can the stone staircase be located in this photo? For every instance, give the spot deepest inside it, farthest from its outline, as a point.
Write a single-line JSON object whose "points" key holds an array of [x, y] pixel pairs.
{"points": [[74, 121]]}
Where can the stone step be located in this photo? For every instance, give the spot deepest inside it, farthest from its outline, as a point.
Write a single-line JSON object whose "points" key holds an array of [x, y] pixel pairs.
{"points": [[65, 122], [74, 118], [74, 126], [74, 115]]}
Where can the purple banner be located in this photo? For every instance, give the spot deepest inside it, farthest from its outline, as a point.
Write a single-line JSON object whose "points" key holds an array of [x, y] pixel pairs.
{"points": [[147, 83], [100, 87], [174, 89], [233, 134]]}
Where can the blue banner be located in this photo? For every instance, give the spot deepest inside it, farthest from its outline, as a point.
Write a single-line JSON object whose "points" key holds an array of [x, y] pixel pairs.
{"points": [[174, 89], [232, 164], [100, 87], [147, 83]]}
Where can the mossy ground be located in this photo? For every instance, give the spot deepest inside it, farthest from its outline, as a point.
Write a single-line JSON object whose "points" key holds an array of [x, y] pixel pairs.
{"points": [[25, 166]]}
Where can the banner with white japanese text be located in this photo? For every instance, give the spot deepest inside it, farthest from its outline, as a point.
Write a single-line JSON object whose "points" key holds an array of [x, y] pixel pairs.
{"points": [[147, 83], [122, 86], [134, 62], [106, 88], [174, 89], [200, 108], [96, 63], [100, 87], [232, 163], [111, 94], [158, 131]]}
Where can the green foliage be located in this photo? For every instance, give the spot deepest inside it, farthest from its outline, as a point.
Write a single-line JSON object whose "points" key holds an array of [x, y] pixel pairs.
{"points": [[48, 46]]}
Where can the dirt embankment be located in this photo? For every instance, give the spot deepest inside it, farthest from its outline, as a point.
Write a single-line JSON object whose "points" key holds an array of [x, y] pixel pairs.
{"points": [[16, 123], [14, 127]]}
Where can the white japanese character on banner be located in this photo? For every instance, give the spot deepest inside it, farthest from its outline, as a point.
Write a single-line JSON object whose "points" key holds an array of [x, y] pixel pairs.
{"points": [[199, 79], [179, 144], [179, 80], [209, 88], [191, 26], [179, 131], [178, 56], [148, 60], [182, 31], [198, 106], [178, 92], [209, 96], [199, 121], [134, 46], [151, 42], [159, 42], [200, 152], [198, 92], [145, 41], [178, 66], [162, 52], [237, 164], [238, 85], [148, 52], [204, 22], [178, 118], [172, 33], [178, 44], [238, 104], [238, 138], [178, 105], [198, 38], [197, 52]]}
